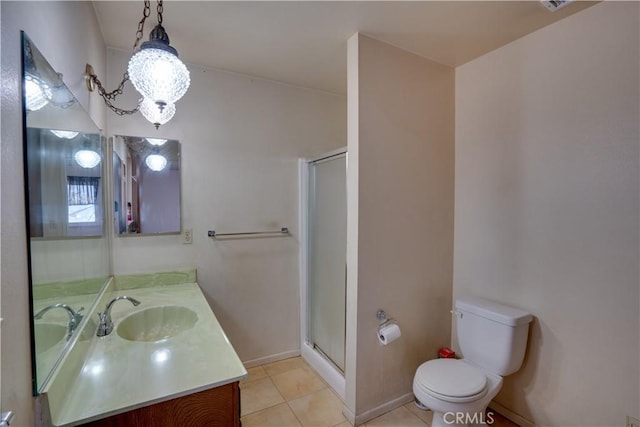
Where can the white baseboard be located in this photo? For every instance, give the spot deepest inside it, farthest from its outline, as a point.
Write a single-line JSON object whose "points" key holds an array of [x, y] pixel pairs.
{"points": [[269, 359], [378, 410], [325, 369], [510, 415], [350, 416]]}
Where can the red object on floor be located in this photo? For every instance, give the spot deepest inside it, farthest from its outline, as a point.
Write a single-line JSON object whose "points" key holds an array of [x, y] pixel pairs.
{"points": [[446, 353]]}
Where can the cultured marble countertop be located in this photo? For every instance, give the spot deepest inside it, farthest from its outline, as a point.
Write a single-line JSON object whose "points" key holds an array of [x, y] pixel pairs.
{"points": [[119, 375]]}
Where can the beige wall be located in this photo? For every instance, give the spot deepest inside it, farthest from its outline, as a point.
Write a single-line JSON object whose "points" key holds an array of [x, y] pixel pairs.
{"points": [[403, 151], [68, 36], [546, 209], [241, 139]]}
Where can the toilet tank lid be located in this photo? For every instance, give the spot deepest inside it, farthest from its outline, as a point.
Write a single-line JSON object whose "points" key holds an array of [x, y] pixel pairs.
{"points": [[493, 311]]}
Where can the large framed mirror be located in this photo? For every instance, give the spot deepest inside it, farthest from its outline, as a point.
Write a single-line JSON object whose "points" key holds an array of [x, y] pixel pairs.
{"points": [[146, 186], [64, 195]]}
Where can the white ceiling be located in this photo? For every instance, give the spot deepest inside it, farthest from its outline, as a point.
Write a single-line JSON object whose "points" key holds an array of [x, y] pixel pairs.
{"points": [[304, 43]]}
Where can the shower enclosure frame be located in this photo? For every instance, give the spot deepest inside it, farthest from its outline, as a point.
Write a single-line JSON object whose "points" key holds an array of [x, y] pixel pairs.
{"points": [[327, 370]]}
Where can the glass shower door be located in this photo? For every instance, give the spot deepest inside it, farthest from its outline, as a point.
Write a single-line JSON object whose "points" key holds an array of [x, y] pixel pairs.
{"points": [[327, 256]]}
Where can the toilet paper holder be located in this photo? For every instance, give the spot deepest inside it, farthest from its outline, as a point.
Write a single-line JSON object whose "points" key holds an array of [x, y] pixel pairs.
{"points": [[384, 319], [388, 329]]}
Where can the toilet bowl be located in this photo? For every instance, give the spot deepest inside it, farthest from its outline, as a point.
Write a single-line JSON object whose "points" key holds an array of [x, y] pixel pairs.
{"points": [[452, 389], [493, 339]]}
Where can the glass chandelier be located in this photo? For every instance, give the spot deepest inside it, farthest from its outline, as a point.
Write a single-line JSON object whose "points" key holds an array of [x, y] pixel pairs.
{"points": [[155, 161], [156, 141], [87, 158], [37, 92], [157, 116], [66, 134], [155, 71]]}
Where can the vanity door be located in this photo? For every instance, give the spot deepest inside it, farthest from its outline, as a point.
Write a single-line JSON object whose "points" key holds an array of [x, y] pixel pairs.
{"points": [[216, 407]]}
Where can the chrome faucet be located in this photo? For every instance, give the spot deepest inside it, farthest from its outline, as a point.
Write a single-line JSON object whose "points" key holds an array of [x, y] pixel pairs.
{"points": [[106, 324], [74, 316]]}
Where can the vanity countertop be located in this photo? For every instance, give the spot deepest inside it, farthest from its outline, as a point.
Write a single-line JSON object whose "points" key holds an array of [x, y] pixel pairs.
{"points": [[120, 375]]}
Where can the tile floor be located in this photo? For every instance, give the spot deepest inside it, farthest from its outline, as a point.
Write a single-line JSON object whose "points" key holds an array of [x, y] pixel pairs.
{"points": [[289, 393]]}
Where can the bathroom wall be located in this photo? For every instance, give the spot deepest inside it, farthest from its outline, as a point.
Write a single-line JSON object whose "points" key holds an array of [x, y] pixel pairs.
{"points": [[68, 35], [241, 138], [159, 193], [400, 209], [546, 209]]}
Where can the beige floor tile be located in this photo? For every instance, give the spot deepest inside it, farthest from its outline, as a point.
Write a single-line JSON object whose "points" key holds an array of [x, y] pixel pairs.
{"points": [[322, 408], [285, 365], [399, 417], [344, 424], [255, 373], [259, 394], [424, 415], [276, 416], [297, 383]]}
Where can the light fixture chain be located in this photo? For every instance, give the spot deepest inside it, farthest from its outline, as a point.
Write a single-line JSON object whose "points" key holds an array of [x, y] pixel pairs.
{"points": [[142, 82], [108, 96], [111, 96], [145, 14], [160, 12]]}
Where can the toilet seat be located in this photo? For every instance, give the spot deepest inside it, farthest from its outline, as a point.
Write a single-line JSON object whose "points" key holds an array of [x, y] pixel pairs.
{"points": [[451, 380]]}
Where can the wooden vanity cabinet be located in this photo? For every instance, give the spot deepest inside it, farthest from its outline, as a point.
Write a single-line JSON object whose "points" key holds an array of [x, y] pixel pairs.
{"points": [[216, 407]]}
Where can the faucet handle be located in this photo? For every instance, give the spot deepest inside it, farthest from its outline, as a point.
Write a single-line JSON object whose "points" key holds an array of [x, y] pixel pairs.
{"points": [[105, 326]]}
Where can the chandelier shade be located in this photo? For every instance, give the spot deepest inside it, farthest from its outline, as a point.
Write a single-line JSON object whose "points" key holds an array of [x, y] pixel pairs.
{"points": [[87, 158], [157, 72], [37, 92], [155, 115], [156, 162], [66, 134], [156, 141]]}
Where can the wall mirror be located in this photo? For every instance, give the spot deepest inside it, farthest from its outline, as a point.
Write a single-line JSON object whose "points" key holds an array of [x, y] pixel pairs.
{"points": [[64, 195], [146, 185]]}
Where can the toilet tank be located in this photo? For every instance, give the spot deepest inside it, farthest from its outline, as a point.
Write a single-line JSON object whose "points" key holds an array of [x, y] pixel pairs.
{"points": [[492, 335]]}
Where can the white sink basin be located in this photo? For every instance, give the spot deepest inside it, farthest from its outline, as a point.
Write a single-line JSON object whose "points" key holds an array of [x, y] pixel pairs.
{"points": [[157, 323], [47, 335]]}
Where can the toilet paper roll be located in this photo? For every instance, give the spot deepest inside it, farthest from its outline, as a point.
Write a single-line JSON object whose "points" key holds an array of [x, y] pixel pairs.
{"points": [[389, 333]]}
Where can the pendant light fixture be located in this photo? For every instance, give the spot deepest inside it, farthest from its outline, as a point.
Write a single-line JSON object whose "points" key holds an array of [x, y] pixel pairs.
{"points": [[156, 141], [37, 92], [87, 158], [154, 114], [61, 96], [66, 134], [156, 161], [155, 71]]}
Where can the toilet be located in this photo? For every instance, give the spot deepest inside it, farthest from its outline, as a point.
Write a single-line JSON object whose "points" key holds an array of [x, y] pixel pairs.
{"points": [[493, 340]]}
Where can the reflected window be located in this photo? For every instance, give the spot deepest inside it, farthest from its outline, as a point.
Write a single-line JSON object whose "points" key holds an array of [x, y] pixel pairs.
{"points": [[82, 194]]}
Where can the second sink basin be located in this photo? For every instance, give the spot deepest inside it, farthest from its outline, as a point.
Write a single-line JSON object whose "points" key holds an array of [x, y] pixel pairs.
{"points": [[157, 323]]}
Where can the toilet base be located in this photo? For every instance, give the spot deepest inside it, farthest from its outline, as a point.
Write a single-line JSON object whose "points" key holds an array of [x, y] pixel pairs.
{"points": [[420, 406], [452, 419]]}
